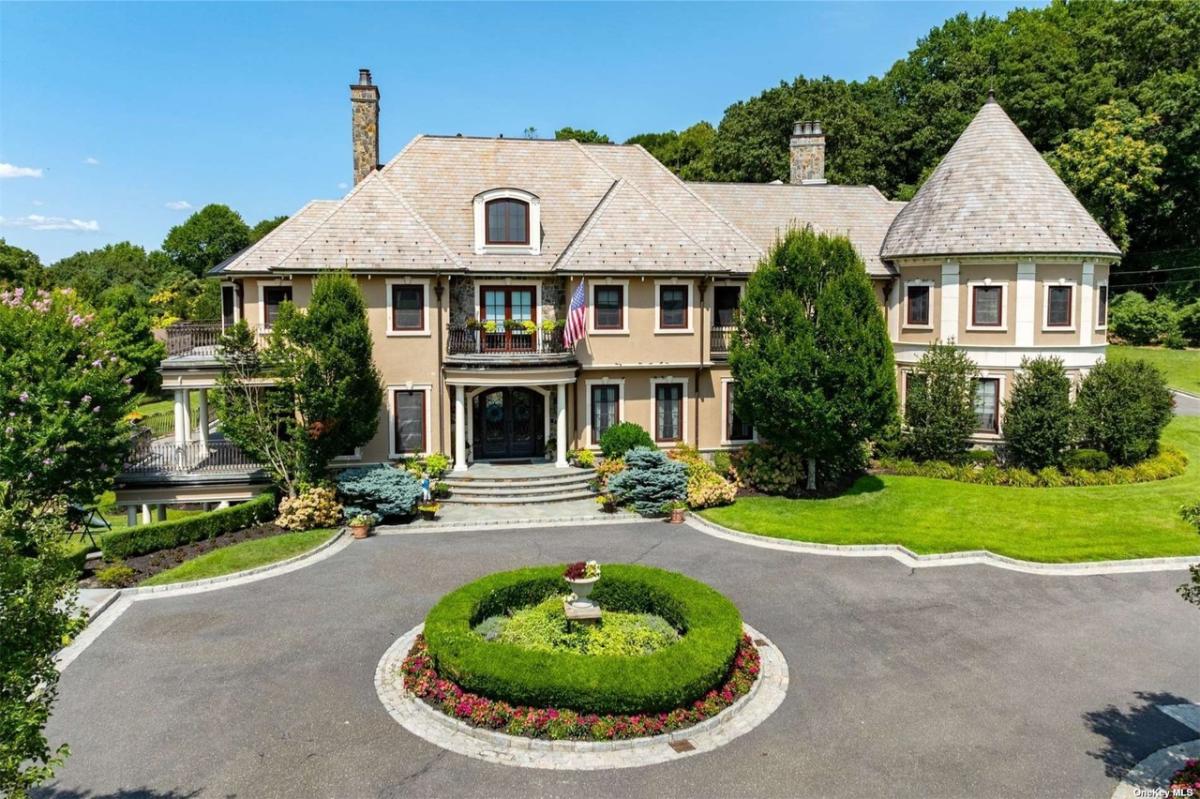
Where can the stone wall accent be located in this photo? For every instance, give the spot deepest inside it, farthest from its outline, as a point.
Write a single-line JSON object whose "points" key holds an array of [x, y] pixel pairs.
{"points": [[462, 300], [554, 298], [364, 125], [807, 153]]}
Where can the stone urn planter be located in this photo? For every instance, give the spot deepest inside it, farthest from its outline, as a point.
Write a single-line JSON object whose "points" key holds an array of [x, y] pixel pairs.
{"points": [[582, 588]]}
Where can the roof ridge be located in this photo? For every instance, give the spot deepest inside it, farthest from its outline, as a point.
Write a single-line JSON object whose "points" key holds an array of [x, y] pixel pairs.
{"points": [[400, 154], [421, 221], [586, 227]]}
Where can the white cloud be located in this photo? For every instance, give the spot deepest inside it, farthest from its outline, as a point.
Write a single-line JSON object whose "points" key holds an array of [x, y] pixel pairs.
{"points": [[38, 203], [179, 205], [14, 171], [92, 161], [39, 222], [343, 185]]}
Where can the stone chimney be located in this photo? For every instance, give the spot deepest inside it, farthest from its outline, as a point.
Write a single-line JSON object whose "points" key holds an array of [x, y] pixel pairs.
{"points": [[807, 154], [364, 125]]}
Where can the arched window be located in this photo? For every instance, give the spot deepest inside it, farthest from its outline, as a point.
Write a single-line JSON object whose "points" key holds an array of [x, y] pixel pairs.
{"points": [[507, 221]]}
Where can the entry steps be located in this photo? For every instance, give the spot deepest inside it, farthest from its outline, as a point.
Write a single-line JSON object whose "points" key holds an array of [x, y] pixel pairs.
{"points": [[521, 487]]}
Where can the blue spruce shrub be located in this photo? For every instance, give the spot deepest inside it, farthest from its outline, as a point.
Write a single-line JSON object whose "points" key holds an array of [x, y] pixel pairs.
{"points": [[650, 480], [381, 491]]}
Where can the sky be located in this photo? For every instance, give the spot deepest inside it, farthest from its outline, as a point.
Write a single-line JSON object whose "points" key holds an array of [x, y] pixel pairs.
{"points": [[118, 120]]}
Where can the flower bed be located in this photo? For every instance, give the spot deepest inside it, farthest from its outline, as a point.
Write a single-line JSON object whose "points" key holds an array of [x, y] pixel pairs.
{"points": [[1187, 779], [673, 677], [422, 679]]}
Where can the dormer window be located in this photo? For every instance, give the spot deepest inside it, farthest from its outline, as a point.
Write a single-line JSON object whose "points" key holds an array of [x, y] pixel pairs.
{"points": [[507, 221]]}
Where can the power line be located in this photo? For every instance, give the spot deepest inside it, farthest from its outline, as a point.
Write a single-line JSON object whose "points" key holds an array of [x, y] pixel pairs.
{"points": [[1154, 271]]}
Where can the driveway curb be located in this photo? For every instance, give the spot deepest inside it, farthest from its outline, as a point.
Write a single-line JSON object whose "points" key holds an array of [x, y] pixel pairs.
{"points": [[974, 557]]}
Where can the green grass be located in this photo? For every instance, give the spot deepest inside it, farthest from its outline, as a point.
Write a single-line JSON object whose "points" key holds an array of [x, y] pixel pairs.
{"points": [[1182, 367], [239, 557], [118, 518], [1051, 525]]}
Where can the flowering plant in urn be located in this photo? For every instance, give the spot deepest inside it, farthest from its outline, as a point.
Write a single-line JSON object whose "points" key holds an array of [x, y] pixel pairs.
{"points": [[581, 576]]}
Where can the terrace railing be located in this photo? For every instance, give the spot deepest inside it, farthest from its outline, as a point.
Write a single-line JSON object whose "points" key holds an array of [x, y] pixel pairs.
{"points": [[193, 338], [477, 341], [163, 456], [720, 340]]}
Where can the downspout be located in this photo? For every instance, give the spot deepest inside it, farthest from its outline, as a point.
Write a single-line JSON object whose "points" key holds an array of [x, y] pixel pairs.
{"points": [[443, 440]]}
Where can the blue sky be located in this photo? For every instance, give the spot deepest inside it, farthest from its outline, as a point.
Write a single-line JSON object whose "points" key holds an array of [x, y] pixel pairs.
{"points": [[116, 119]]}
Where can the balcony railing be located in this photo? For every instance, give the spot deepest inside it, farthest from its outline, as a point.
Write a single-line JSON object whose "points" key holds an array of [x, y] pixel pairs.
{"points": [[720, 340], [193, 338], [477, 341], [163, 456]]}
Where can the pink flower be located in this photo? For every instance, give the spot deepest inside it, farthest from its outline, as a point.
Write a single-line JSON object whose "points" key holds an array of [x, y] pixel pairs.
{"points": [[24, 396]]}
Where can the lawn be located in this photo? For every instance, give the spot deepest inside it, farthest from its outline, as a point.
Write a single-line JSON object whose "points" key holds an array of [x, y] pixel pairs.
{"points": [[1182, 367], [1052, 525], [240, 557]]}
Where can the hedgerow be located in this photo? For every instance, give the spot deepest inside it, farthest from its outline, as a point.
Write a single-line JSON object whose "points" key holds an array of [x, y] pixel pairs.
{"points": [[1169, 462], [165, 535]]}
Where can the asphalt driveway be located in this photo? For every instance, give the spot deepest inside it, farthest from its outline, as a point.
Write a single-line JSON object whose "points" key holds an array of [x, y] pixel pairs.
{"points": [[938, 682]]}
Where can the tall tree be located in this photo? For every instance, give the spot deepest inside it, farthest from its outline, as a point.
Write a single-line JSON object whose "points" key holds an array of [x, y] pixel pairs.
{"points": [[207, 238], [93, 272], [939, 413], [1037, 416], [266, 226], [688, 154], [126, 316], [813, 365], [581, 136], [19, 267]]}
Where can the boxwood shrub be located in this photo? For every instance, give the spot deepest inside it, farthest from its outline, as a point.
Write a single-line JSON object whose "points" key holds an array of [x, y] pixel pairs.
{"points": [[669, 678], [165, 535]]}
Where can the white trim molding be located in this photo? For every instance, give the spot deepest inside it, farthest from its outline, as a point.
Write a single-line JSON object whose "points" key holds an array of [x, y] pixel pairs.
{"points": [[590, 304], [683, 413], [619, 382], [690, 309], [1062, 282], [391, 419], [1101, 322], [389, 328], [1004, 309], [950, 278], [534, 247], [932, 286], [262, 302], [726, 441], [1005, 357], [1024, 313]]}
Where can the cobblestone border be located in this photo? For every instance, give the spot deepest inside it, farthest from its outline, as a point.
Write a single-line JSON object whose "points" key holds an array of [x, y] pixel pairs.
{"points": [[428, 723], [966, 558], [1153, 772]]}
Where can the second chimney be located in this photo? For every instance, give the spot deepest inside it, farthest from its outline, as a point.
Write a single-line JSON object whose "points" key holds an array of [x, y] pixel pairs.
{"points": [[364, 125], [807, 155]]}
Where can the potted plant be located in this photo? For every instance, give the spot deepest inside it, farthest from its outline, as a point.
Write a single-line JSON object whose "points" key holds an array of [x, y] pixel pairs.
{"points": [[429, 510], [472, 323], [548, 325], [607, 503], [512, 324], [360, 525], [441, 490], [489, 326], [675, 507], [581, 576]]}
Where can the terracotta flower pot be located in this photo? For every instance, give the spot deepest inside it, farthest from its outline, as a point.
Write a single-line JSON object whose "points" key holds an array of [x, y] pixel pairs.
{"points": [[360, 531], [676, 515], [429, 515]]}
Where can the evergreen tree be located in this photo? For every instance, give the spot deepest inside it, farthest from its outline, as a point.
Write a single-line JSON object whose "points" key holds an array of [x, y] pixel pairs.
{"points": [[813, 363], [939, 413], [1121, 409], [1037, 416], [126, 315]]}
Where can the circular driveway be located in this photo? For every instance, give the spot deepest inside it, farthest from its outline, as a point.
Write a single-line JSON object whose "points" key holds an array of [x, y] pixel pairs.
{"points": [[937, 682]]}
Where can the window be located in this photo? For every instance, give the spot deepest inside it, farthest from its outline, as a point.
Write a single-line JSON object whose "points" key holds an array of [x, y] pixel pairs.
{"points": [[918, 305], [408, 408], [735, 428], [668, 412], [1102, 306], [606, 409], [725, 305], [608, 303], [408, 307], [507, 221], [273, 297], [1058, 306], [672, 307], [498, 304], [987, 303], [987, 405], [228, 306]]}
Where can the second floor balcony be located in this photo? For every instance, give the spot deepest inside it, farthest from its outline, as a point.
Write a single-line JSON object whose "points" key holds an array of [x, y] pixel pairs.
{"points": [[720, 340], [476, 344]]}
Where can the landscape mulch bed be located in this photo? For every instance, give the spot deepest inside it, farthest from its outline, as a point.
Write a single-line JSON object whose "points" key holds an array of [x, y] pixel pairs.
{"points": [[155, 562]]}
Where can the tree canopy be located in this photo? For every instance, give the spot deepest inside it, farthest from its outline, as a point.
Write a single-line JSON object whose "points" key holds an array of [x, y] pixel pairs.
{"points": [[207, 238], [582, 136]]}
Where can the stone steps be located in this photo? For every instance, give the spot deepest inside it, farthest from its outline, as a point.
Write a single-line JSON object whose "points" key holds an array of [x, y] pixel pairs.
{"points": [[494, 487]]}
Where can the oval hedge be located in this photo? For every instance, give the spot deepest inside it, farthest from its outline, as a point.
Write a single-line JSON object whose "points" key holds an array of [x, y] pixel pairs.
{"points": [[672, 677]]}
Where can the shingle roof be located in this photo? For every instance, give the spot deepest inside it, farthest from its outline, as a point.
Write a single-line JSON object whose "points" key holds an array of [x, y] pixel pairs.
{"points": [[766, 212], [993, 193], [268, 251]]}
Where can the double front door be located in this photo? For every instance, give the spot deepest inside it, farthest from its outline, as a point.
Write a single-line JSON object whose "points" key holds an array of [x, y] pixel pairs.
{"points": [[509, 423]]}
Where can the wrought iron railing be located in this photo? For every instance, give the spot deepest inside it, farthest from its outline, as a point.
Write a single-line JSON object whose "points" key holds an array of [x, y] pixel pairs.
{"points": [[159, 456], [720, 341], [478, 341]]}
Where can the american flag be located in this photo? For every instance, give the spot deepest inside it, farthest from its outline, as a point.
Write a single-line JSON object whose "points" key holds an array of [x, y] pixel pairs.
{"points": [[576, 317]]}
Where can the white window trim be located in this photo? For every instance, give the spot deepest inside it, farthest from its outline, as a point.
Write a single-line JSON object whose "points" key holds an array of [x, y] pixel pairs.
{"points": [[904, 323], [683, 401], [979, 434], [1046, 326], [237, 295], [619, 382], [691, 311], [388, 316], [357, 456], [393, 452], [1101, 324], [534, 247], [725, 409], [262, 302], [1004, 306], [590, 300]]}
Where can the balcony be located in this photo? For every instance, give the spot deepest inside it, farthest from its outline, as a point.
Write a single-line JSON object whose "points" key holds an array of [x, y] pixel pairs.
{"points": [[476, 345], [163, 459], [720, 340]]}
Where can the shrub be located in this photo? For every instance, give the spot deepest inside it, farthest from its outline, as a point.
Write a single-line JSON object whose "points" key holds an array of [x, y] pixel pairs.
{"points": [[1091, 459], [117, 575], [649, 481], [1188, 323], [607, 469], [1191, 514], [1051, 477], [1037, 421], [435, 464], [583, 458], [316, 507], [1121, 409], [939, 405], [666, 679], [723, 465], [1136, 320], [1021, 478], [382, 491], [166, 535], [622, 437], [707, 489], [772, 470], [982, 457]]}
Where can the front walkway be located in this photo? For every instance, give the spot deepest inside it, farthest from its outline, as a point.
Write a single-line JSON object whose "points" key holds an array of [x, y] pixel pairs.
{"points": [[927, 683]]}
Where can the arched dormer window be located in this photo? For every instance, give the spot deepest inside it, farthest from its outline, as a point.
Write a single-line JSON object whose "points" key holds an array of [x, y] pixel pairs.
{"points": [[507, 221]]}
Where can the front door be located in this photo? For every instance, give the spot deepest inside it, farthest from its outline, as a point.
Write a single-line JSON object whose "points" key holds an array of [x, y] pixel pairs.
{"points": [[509, 423]]}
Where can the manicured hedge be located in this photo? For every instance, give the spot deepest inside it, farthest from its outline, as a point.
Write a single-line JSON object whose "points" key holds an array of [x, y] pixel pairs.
{"points": [[165, 535], [669, 678]]}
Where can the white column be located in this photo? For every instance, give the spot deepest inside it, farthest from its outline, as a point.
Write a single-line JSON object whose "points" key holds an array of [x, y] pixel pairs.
{"points": [[949, 298], [1026, 303], [202, 412], [145, 514], [187, 415], [561, 432], [180, 418], [460, 429], [1086, 312], [131, 515], [893, 308]]}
